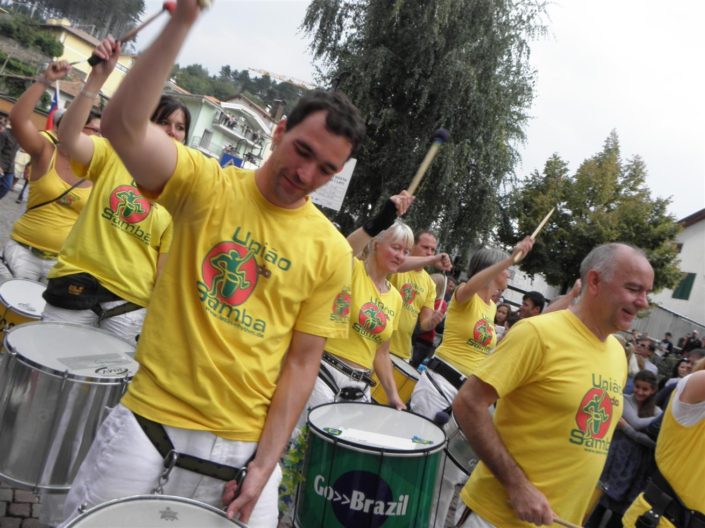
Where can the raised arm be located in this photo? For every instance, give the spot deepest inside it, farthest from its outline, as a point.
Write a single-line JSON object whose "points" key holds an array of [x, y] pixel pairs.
{"points": [[440, 261], [23, 128], [148, 153], [481, 279], [397, 205], [74, 143]]}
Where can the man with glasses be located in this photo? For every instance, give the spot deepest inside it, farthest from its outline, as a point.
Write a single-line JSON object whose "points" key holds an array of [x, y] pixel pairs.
{"points": [[645, 349]]}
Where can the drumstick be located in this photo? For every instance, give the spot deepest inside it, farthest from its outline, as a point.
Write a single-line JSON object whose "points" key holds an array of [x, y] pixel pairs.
{"points": [[560, 521], [169, 6], [520, 254], [439, 137]]}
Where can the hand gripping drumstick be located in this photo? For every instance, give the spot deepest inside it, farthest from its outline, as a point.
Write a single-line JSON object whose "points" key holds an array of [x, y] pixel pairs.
{"points": [[439, 137], [169, 6], [520, 255]]}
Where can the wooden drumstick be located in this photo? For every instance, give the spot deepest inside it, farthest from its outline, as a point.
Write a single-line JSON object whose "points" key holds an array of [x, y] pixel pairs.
{"points": [[520, 255], [169, 6], [440, 136], [560, 521]]}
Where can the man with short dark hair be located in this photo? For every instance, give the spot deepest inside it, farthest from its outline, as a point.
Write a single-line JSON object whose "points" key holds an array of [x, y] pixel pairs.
{"points": [[557, 380], [667, 343], [645, 349], [531, 304], [256, 281]]}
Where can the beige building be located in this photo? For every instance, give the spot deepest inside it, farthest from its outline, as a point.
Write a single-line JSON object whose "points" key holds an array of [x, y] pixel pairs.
{"points": [[78, 47]]}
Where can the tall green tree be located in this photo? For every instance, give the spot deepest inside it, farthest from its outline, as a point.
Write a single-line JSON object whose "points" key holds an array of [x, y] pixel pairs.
{"points": [[411, 67], [606, 200]]}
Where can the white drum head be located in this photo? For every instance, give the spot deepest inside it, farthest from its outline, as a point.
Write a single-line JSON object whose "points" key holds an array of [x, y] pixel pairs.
{"points": [[407, 369], [377, 427], [79, 352], [24, 297], [147, 511]]}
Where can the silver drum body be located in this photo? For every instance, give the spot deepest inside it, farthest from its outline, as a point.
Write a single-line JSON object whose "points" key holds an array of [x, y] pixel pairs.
{"points": [[57, 383], [458, 448]]}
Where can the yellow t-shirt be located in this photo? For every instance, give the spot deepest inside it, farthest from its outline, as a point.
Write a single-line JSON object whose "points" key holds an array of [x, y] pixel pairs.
{"points": [[241, 276], [47, 227], [469, 334], [680, 460], [119, 235], [417, 291], [374, 317], [560, 398]]}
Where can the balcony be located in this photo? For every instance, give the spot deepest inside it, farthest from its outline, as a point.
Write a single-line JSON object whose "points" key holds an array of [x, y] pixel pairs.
{"points": [[237, 127]]}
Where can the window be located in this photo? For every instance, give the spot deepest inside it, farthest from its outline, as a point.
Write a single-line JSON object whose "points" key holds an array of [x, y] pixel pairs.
{"points": [[682, 290], [206, 139]]}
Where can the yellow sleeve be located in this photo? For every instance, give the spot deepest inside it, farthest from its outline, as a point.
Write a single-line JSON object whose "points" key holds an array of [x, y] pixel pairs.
{"points": [[430, 301], [515, 361], [102, 150], [192, 183], [315, 315], [167, 237]]}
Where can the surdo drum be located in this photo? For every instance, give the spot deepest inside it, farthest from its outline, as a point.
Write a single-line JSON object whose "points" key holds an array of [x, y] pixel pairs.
{"points": [[405, 378], [458, 448], [20, 302], [152, 511], [57, 383], [369, 466]]}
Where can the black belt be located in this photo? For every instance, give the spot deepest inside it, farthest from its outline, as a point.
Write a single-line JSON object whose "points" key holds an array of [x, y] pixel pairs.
{"points": [[352, 373], [442, 368], [161, 441], [664, 501]]}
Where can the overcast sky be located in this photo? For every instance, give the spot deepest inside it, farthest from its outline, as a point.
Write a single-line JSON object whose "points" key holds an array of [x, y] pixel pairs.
{"points": [[631, 65]]}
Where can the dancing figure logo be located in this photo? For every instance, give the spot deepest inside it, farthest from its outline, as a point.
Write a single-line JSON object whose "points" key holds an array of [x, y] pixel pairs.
{"points": [[341, 306], [129, 205], [372, 318], [230, 273], [408, 293]]}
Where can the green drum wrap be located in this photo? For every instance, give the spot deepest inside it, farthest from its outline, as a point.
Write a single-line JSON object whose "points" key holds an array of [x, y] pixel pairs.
{"points": [[369, 466]]}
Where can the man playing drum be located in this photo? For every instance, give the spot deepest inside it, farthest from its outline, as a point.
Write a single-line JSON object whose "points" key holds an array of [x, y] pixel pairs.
{"points": [[235, 331], [558, 380], [418, 292]]}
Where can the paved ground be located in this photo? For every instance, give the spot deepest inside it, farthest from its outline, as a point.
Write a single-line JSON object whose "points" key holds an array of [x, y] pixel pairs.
{"points": [[18, 508]]}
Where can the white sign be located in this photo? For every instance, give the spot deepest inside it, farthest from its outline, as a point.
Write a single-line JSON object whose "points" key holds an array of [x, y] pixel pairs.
{"points": [[332, 194]]}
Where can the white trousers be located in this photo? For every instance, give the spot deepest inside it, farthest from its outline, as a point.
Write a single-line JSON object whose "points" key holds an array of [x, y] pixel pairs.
{"points": [[25, 265], [122, 462], [427, 401], [322, 393], [474, 520], [127, 326]]}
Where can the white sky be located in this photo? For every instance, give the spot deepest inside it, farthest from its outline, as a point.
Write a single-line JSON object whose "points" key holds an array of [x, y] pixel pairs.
{"points": [[631, 65]]}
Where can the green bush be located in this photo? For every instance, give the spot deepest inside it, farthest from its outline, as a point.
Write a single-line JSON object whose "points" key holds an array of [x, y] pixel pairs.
{"points": [[24, 30]]}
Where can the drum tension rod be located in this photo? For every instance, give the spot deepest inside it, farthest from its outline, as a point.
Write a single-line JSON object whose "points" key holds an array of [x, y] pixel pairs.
{"points": [[169, 464]]}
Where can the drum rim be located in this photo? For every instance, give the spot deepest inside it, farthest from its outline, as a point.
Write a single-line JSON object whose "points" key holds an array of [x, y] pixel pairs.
{"points": [[13, 352], [6, 303], [400, 453], [136, 498], [405, 372]]}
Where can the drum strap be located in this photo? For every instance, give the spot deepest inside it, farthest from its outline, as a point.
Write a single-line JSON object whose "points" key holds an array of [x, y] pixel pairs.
{"points": [[345, 393], [161, 441], [464, 517], [355, 374], [666, 503], [120, 309], [454, 377]]}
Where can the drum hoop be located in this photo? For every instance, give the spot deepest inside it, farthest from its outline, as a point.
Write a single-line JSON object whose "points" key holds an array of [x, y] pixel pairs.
{"points": [[136, 498], [398, 453], [6, 303], [93, 380], [406, 372]]}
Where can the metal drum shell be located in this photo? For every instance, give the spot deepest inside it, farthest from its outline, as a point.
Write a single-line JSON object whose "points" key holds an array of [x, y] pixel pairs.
{"points": [[48, 418], [152, 511], [458, 448]]}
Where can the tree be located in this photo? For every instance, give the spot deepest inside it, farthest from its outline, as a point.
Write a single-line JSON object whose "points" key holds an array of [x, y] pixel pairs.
{"points": [[411, 67], [605, 201]]}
